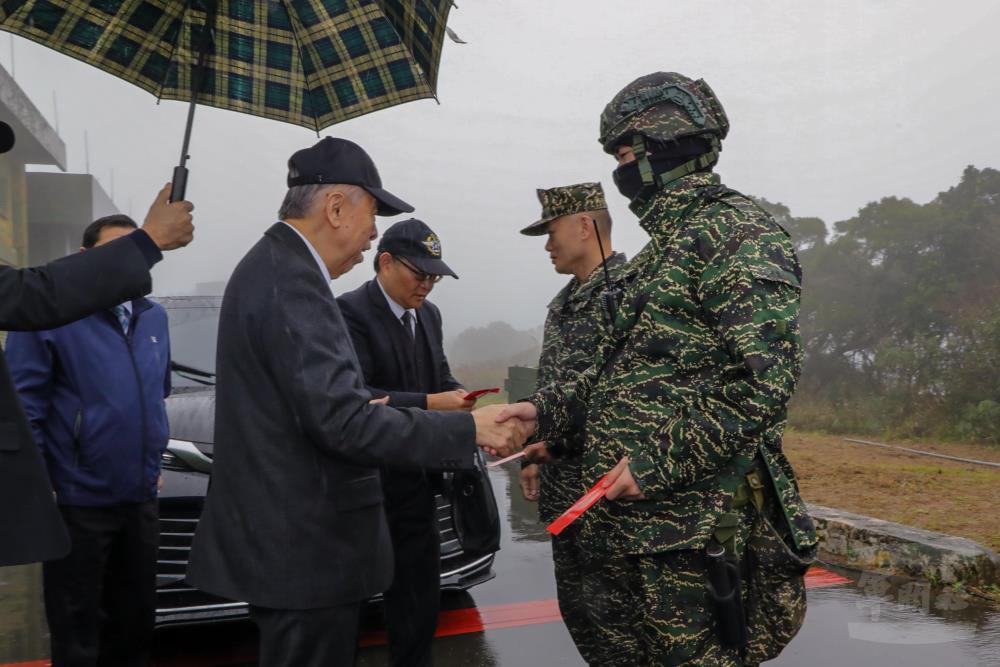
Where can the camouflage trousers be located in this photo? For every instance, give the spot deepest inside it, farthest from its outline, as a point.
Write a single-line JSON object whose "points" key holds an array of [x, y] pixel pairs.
{"points": [[561, 487], [653, 610], [568, 560]]}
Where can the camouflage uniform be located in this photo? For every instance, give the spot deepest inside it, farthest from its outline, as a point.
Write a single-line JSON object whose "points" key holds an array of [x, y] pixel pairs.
{"points": [[577, 320], [691, 385]]}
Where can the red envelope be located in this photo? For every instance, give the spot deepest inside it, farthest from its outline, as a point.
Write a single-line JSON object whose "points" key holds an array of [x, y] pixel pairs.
{"points": [[588, 500], [473, 395]]}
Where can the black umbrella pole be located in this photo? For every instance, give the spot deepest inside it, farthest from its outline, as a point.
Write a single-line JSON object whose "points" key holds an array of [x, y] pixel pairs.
{"points": [[179, 184]]}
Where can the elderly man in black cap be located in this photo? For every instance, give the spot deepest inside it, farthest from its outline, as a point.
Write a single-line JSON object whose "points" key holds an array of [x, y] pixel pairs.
{"points": [[293, 522], [397, 335]]}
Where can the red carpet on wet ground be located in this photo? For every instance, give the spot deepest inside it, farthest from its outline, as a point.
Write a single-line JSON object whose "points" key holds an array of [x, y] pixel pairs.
{"points": [[536, 612], [466, 621]]}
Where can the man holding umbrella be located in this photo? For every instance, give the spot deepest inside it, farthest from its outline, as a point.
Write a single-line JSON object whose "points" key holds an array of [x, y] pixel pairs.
{"points": [[293, 522], [44, 297]]}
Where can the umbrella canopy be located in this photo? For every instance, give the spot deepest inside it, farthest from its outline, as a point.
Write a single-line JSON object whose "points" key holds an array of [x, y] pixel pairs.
{"points": [[308, 62]]}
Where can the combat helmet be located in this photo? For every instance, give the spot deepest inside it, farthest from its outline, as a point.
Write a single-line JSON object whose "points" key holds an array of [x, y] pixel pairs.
{"points": [[664, 109]]}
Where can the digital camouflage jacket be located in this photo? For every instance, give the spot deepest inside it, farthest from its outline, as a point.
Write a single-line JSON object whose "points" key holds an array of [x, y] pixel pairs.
{"points": [[576, 323], [693, 381]]}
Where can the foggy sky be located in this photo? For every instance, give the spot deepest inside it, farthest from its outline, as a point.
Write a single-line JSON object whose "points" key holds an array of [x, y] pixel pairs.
{"points": [[832, 105]]}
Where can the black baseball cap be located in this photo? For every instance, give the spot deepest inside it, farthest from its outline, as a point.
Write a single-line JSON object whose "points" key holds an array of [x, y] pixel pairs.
{"points": [[414, 241], [339, 161]]}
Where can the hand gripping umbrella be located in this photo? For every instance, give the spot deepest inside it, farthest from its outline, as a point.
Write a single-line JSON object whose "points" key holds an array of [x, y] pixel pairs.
{"points": [[308, 62]]}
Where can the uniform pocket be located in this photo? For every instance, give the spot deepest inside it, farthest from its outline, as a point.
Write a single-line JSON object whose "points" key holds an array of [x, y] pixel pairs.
{"points": [[774, 274], [358, 493], [775, 596]]}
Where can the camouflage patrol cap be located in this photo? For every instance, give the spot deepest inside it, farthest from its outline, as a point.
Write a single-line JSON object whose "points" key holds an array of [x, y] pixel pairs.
{"points": [[663, 106], [566, 200]]}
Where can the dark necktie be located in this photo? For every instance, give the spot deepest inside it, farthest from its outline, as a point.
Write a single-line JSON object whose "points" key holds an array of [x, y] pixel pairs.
{"points": [[408, 325]]}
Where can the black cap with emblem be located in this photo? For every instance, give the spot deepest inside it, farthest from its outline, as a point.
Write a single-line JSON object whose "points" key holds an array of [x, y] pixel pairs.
{"points": [[417, 243], [339, 161]]}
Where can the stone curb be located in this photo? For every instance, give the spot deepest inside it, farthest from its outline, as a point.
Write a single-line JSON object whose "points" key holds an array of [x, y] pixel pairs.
{"points": [[876, 544]]}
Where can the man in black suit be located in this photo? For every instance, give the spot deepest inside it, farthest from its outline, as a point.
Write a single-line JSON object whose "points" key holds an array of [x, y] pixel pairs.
{"points": [[397, 335], [293, 522], [45, 297]]}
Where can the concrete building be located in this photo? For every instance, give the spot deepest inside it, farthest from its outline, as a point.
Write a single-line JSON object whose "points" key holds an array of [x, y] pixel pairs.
{"points": [[36, 143], [42, 214], [60, 206]]}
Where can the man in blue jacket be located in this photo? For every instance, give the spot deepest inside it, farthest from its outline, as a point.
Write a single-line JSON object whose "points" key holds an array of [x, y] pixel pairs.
{"points": [[93, 392]]}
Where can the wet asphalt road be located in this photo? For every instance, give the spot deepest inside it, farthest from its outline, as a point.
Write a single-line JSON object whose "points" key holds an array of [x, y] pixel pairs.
{"points": [[869, 620]]}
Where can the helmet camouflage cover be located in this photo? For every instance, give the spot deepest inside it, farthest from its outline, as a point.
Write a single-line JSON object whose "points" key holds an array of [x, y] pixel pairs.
{"points": [[663, 106]]}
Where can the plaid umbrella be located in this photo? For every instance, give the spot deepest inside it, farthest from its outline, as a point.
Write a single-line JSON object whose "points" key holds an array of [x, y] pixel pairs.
{"points": [[309, 62]]}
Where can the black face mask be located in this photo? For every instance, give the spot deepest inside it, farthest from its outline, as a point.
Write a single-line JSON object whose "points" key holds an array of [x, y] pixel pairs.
{"points": [[663, 158], [628, 180]]}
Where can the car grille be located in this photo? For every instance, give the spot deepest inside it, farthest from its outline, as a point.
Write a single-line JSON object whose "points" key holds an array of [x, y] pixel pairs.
{"points": [[178, 519], [177, 602]]}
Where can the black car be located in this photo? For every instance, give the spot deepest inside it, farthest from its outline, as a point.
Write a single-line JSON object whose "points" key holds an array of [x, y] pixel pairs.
{"points": [[187, 465]]}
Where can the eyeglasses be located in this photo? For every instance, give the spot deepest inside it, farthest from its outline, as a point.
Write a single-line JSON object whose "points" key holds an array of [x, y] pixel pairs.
{"points": [[421, 276]]}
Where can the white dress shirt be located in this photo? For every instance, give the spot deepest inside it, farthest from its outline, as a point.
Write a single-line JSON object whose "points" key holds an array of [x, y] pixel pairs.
{"points": [[398, 310]]}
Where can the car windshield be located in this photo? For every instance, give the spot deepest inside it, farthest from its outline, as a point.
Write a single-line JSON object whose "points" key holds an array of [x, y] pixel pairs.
{"points": [[194, 323]]}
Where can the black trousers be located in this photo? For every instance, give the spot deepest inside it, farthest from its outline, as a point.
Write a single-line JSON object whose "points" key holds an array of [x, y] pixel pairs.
{"points": [[413, 599], [100, 600], [326, 637]]}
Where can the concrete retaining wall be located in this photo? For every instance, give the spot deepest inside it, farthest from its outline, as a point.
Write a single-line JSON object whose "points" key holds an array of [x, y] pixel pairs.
{"points": [[875, 544]]}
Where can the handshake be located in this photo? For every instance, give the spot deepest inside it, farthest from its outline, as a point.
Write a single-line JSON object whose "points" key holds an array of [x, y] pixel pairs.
{"points": [[502, 430]]}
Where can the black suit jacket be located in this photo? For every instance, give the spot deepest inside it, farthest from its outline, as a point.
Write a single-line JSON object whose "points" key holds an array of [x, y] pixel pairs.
{"points": [[31, 528], [382, 344], [294, 517]]}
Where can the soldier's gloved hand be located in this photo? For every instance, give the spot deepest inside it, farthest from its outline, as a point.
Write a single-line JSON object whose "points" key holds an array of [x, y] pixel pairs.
{"points": [[530, 482], [537, 453], [621, 484]]}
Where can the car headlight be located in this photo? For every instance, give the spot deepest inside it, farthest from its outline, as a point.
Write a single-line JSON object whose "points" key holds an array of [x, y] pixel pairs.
{"points": [[183, 456]]}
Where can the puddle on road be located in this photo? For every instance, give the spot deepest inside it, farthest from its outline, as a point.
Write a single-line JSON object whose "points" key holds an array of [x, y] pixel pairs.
{"points": [[884, 620]]}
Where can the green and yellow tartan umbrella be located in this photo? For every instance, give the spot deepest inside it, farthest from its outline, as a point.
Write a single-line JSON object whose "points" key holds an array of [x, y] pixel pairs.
{"points": [[308, 62]]}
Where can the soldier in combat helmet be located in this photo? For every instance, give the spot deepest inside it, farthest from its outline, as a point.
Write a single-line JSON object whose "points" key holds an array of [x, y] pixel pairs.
{"points": [[696, 556]]}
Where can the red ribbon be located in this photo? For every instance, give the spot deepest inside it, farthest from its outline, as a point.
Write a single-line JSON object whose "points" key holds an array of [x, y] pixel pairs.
{"points": [[588, 500]]}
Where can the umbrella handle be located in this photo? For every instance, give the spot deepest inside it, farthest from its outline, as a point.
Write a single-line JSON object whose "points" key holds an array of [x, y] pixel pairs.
{"points": [[179, 186]]}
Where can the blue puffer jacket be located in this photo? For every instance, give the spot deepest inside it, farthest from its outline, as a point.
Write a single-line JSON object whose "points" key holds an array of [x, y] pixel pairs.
{"points": [[94, 398]]}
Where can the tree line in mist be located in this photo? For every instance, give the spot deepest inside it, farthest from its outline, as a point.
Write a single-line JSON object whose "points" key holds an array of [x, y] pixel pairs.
{"points": [[901, 315]]}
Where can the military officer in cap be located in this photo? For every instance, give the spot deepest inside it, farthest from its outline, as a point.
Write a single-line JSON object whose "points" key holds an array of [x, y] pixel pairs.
{"points": [[398, 337], [293, 522], [685, 403], [577, 227]]}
